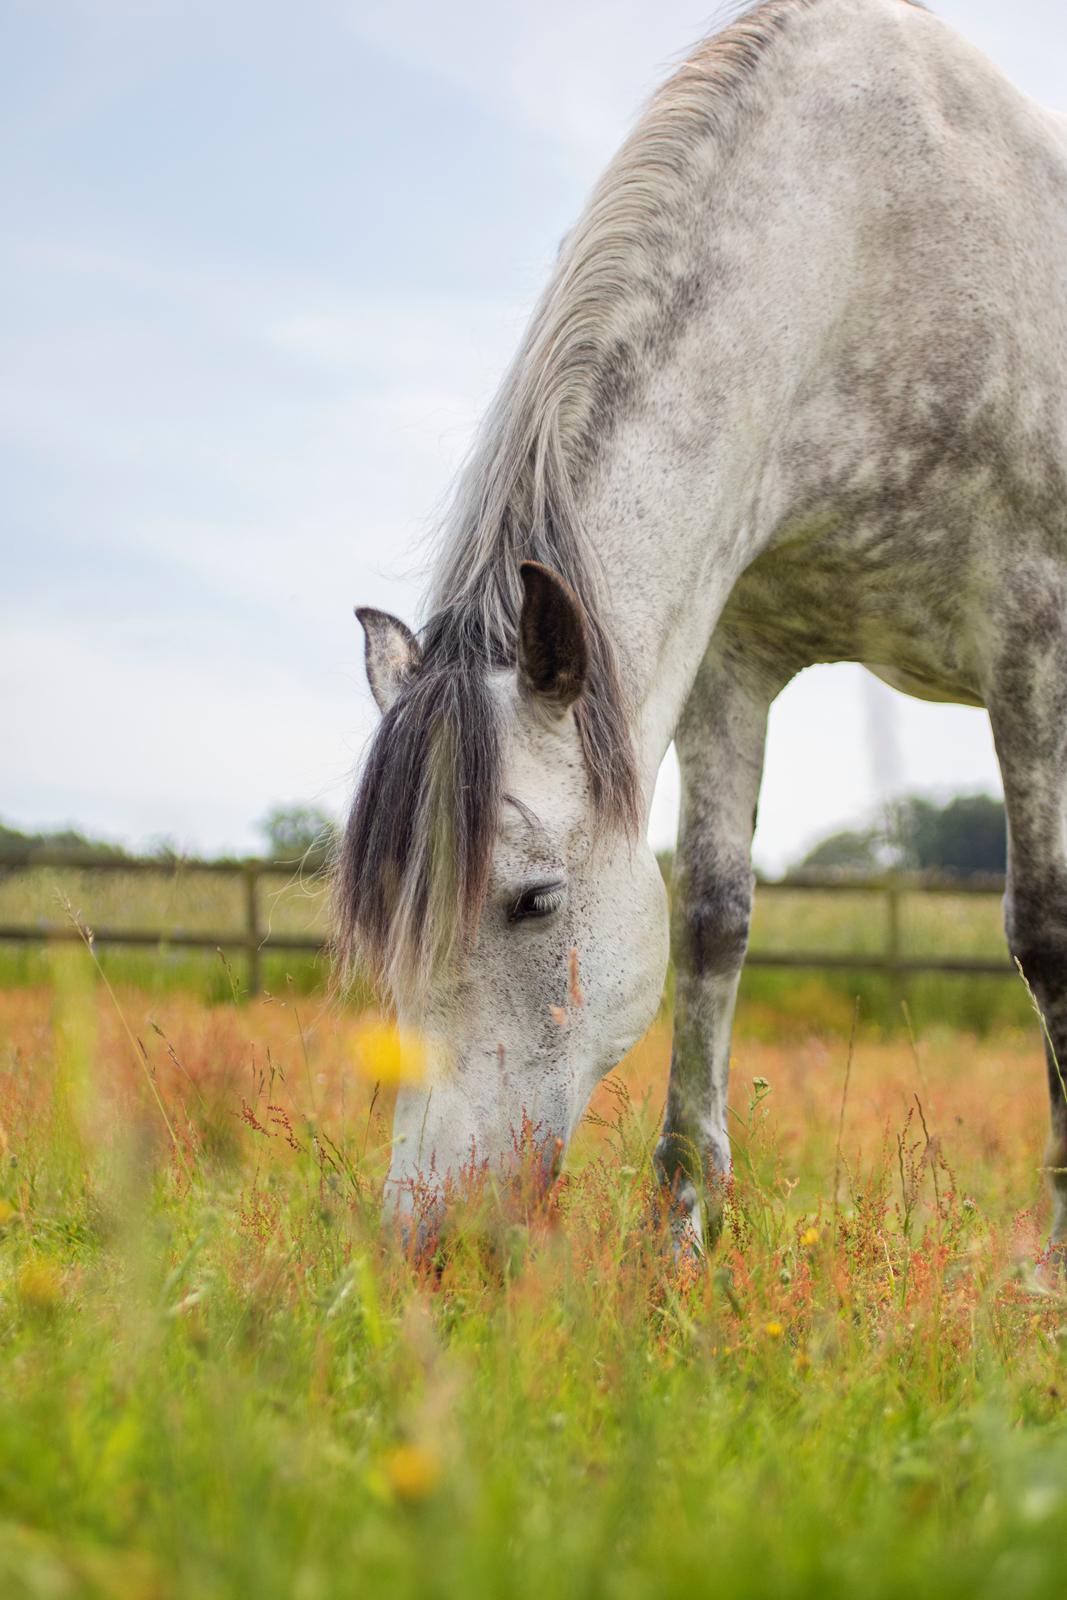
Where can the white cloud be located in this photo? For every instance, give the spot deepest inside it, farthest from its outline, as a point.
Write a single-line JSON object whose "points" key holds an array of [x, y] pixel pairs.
{"points": [[574, 75], [188, 740]]}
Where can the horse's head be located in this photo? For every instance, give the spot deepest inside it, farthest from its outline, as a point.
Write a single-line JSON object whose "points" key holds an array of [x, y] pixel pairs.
{"points": [[522, 926]]}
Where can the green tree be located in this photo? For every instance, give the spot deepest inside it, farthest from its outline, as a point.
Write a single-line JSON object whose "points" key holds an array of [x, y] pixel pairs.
{"points": [[851, 850], [293, 832], [967, 836]]}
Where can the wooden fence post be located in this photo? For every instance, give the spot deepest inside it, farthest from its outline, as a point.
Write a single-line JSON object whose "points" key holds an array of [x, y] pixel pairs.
{"points": [[892, 931], [255, 973]]}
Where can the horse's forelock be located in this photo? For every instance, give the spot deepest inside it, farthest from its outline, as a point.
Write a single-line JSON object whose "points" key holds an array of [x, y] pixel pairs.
{"points": [[417, 848]]}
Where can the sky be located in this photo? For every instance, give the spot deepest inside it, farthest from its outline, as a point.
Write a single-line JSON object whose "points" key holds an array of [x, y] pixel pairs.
{"points": [[264, 265]]}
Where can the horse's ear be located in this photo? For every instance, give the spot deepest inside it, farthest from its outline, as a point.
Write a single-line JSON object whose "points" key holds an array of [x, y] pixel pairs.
{"points": [[553, 642], [392, 654]]}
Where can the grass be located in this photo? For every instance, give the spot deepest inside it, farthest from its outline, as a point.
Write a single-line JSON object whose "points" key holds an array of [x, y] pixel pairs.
{"points": [[219, 1377]]}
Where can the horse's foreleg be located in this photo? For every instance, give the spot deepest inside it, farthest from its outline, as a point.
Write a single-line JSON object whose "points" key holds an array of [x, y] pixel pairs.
{"points": [[720, 743], [1028, 711]]}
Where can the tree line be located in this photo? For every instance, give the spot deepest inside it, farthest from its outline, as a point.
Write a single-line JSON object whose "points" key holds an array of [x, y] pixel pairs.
{"points": [[965, 836]]}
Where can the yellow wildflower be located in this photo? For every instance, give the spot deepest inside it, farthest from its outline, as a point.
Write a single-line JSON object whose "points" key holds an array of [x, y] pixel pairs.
{"points": [[412, 1472], [386, 1055], [809, 1238], [774, 1330], [39, 1286]]}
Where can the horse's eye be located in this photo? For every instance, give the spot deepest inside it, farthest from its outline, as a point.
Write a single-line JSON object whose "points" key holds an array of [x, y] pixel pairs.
{"points": [[539, 900]]}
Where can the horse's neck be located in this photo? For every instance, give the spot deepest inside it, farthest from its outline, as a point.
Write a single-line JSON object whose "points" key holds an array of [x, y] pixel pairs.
{"points": [[682, 497], [673, 504], [674, 535]]}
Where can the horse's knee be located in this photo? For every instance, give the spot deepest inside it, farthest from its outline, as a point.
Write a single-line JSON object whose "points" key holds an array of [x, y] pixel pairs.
{"points": [[1035, 921], [712, 924]]}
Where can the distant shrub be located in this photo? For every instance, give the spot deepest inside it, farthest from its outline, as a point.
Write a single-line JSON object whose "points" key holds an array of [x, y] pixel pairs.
{"points": [[13, 839], [851, 850], [295, 831], [966, 837]]}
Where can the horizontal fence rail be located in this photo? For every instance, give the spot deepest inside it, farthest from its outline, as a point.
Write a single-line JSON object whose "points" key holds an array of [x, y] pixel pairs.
{"points": [[892, 957], [254, 938]]}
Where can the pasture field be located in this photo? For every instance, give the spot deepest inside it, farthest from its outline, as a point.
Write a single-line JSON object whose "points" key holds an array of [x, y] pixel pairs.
{"points": [[774, 1001], [219, 1377]]}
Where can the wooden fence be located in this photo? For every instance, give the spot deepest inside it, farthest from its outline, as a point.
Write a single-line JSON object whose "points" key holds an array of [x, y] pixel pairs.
{"points": [[254, 937]]}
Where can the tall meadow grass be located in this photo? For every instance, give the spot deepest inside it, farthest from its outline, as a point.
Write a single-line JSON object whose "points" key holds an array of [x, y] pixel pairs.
{"points": [[221, 1376]]}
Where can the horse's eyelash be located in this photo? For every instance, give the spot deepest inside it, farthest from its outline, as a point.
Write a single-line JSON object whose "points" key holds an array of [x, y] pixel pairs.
{"points": [[537, 902]]}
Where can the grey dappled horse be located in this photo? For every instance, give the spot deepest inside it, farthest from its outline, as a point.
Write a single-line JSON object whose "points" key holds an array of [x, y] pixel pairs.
{"points": [[797, 392]]}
